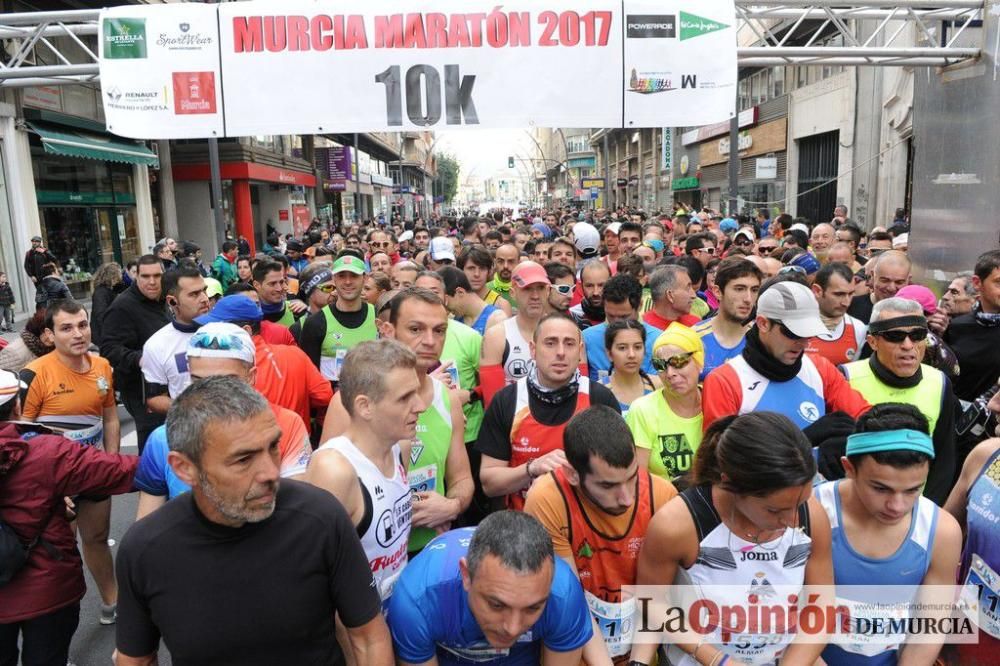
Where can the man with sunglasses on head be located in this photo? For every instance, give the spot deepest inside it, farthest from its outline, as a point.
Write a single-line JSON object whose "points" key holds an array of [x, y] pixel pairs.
{"points": [[897, 335], [773, 372]]}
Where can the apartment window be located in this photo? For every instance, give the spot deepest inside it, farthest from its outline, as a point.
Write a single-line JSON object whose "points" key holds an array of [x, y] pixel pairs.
{"points": [[777, 82]]}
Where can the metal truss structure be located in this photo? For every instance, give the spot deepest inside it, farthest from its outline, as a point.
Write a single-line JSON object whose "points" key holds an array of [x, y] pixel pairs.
{"points": [[55, 48], [873, 32]]}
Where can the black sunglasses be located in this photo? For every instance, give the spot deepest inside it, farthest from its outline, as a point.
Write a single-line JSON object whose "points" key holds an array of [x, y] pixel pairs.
{"points": [[677, 361], [766, 248], [897, 336], [785, 331]]}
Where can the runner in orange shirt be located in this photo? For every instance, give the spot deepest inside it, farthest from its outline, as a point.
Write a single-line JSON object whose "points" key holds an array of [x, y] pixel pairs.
{"points": [[597, 514], [71, 390]]}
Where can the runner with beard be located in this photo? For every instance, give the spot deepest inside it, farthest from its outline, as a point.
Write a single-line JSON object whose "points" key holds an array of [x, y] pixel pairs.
{"points": [[597, 513]]}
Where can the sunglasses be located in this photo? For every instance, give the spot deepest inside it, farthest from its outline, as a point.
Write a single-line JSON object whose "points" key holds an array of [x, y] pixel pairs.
{"points": [[564, 289], [677, 361], [743, 241], [708, 250], [766, 248], [792, 269], [327, 288], [897, 336], [787, 332]]}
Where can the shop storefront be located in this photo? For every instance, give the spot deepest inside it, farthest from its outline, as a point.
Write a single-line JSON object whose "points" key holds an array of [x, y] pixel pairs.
{"points": [[86, 189], [257, 196], [762, 167]]}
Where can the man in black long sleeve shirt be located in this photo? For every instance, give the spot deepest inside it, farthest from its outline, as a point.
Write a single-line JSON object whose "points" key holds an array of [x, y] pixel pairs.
{"points": [[132, 319]]}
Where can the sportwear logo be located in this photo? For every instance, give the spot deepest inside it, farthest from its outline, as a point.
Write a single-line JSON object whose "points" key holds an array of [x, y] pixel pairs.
{"points": [[415, 452], [695, 26], [124, 38], [651, 26]]}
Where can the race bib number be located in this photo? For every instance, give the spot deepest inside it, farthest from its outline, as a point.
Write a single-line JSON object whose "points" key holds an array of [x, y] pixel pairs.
{"points": [[330, 365], [862, 638], [423, 479], [92, 436], [616, 622], [980, 598]]}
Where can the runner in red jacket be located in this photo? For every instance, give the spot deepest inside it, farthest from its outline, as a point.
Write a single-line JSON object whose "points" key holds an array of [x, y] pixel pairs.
{"points": [[37, 471]]}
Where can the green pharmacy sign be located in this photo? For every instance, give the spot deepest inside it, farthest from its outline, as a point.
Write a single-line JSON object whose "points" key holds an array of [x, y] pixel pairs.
{"points": [[124, 38], [695, 26]]}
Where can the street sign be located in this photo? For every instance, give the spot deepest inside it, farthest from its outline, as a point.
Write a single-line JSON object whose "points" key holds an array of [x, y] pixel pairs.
{"points": [[594, 193]]}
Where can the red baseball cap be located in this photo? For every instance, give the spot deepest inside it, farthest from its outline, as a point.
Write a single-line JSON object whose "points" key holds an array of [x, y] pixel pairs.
{"points": [[528, 273]]}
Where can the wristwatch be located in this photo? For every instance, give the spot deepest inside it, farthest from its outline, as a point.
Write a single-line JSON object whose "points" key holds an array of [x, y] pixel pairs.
{"points": [[637, 663], [527, 468]]}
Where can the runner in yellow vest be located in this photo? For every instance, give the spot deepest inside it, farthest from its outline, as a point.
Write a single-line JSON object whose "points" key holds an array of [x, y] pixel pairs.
{"points": [[897, 334]]}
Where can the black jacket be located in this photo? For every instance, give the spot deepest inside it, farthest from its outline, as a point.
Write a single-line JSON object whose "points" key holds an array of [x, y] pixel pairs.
{"points": [[34, 260], [6, 294], [99, 304], [130, 320]]}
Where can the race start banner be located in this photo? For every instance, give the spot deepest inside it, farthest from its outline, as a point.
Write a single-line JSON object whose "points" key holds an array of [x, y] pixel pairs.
{"points": [[262, 67]]}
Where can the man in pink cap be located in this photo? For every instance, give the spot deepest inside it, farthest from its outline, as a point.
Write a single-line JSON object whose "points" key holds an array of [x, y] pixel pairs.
{"points": [[506, 353]]}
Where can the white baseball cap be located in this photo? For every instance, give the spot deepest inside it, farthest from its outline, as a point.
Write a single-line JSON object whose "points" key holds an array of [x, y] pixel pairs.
{"points": [[441, 249], [794, 305], [586, 238]]}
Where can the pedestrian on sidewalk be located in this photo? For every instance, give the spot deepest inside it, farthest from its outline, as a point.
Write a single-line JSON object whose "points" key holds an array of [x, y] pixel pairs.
{"points": [[37, 257], [6, 304]]}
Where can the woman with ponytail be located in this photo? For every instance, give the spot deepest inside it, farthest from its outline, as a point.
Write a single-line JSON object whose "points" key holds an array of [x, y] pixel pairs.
{"points": [[748, 521]]}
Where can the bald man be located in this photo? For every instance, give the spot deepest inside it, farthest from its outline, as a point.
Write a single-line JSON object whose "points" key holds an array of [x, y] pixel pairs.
{"points": [[823, 236], [842, 253], [890, 273]]}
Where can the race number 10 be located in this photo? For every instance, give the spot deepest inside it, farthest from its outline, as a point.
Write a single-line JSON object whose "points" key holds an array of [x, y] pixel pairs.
{"points": [[423, 96]]}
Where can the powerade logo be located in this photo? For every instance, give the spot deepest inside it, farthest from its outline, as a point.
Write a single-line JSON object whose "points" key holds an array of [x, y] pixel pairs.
{"points": [[651, 26], [695, 26], [124, 38]]}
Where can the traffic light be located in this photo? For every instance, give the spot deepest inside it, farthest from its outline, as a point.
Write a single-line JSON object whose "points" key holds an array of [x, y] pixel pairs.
{"points": [[510, 162]]}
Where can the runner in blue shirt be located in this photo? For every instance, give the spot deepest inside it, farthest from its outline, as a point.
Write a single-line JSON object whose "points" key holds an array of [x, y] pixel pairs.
{"points": [[622, 294], [490, 595]]}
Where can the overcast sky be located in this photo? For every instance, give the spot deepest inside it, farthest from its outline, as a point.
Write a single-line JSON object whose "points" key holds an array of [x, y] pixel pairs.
{"points": [[483, 152]]}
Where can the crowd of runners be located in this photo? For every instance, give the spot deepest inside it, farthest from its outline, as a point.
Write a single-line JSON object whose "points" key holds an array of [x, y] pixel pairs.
{"points": [[456, 440]]}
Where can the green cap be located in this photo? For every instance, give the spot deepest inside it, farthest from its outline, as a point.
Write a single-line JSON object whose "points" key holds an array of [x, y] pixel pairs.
{"points": [[349, 264]]}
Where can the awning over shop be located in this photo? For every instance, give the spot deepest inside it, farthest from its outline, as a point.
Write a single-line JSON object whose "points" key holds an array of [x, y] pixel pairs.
{"points": [[73, 143]]}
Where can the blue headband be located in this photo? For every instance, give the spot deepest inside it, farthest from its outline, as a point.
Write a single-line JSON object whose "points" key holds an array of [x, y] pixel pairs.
{"points": [[890, 440]]}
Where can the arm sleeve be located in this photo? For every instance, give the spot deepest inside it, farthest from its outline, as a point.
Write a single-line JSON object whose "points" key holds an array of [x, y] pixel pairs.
{"points": [[942, 472], [313, 332], [412, 639], [494, 434], [31, 397], [720, 395], [119, 341], [320, 392], [151, 476], [352, 587], [545, 503], [491, 381], [152, 366], [84, 470], [568, 624], [136, 635], [295, 446], [839, 394]]}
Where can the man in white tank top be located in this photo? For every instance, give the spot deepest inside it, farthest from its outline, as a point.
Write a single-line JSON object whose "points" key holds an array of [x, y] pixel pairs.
{"points": [[506, 354], [363, 468]]}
